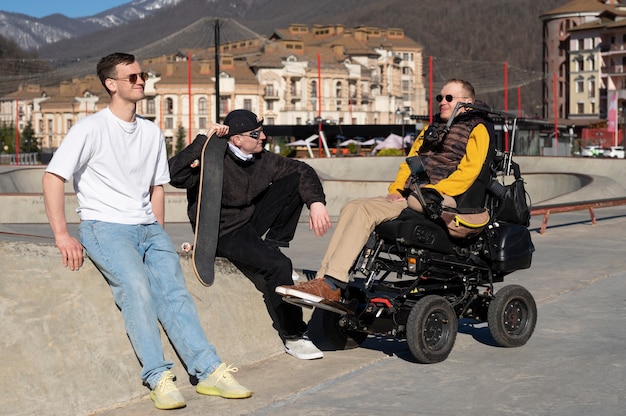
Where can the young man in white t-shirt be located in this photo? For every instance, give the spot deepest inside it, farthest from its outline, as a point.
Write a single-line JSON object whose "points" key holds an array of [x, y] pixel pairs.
{"points": [[118, 163]]}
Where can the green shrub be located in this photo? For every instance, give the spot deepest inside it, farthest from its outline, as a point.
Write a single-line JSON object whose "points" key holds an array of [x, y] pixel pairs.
{"points": [[390, 152]]}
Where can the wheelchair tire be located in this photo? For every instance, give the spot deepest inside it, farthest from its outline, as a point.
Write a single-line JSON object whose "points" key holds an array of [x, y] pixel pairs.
{"points": [[512, 316], [338, 337], [431, 329]]}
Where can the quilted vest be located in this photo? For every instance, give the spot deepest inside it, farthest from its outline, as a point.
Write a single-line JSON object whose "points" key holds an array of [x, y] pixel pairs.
{"points": [[440, 158]]}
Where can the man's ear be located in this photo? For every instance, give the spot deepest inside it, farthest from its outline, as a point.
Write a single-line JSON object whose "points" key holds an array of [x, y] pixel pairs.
{"points": [[111, 84]]}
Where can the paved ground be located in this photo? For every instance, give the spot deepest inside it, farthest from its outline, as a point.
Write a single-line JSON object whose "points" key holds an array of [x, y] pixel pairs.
{"points": [[573, 365]]}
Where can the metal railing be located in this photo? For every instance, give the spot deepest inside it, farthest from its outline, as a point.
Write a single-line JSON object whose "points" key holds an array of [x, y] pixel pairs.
{"points": [[30, 158], [546, 210]]}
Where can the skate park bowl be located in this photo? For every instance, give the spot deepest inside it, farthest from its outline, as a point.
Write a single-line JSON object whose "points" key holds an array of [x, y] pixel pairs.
{"points": [[64, 334]]}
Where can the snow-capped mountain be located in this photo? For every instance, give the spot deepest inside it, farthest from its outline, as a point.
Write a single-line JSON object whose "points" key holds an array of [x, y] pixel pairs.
{"points": [[32, 33]]}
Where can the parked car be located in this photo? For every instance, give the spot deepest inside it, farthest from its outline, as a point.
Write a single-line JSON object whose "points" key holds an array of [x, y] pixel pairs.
{"points": [[616, 152], [592, 151]]}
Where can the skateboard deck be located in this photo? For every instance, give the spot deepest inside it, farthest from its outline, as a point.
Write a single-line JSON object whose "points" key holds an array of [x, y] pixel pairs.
{"points": [[209, 203], [325, 304]]}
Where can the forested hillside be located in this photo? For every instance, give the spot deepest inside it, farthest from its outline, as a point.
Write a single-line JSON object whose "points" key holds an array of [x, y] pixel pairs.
{"points": [[466, 38]]}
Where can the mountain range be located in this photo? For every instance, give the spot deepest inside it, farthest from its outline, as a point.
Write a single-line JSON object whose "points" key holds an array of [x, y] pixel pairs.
{"points": [[486, 31]]}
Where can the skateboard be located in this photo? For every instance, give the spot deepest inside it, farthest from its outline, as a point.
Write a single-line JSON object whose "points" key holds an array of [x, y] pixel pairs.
{"points": [[328, 305], [209, 203]]}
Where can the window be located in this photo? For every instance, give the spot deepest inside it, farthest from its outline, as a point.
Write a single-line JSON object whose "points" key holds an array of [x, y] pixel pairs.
{"points": [[247, 104], [169, 106], [313, 89], [338, 88], [579, 65], [202, 106], [151, 106], [580, 108], [592, 88], [224, 105], [169, 122], [270, 105], [69, 124], [580, 85], [294, 88], [202, 123], [581, 44]]}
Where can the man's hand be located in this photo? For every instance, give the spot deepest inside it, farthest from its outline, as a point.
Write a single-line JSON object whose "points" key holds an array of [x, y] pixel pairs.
{"points": [[54, 200], [220, 129], [394, 197], [71, 251], [319, 221]]}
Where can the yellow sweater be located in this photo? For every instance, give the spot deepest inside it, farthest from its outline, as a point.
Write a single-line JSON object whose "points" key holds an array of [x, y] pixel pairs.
{"points": [[465, 174]]}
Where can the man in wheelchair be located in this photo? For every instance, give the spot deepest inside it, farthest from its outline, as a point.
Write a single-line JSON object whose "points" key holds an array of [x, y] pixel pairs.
{"points": [[453, 154]]}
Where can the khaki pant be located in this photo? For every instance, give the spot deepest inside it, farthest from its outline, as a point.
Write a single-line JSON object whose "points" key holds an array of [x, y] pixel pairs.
{"points": [[357, 220]]}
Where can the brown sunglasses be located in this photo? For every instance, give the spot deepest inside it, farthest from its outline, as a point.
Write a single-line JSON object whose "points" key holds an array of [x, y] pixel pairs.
{"points": [[132, 78]]}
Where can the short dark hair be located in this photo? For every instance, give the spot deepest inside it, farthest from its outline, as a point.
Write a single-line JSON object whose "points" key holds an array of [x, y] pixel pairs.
{"points": [[469, 88], [106, 66]]}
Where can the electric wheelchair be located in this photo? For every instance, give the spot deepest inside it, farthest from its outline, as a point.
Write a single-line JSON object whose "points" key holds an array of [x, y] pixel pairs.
{"points": [[413, 281]]}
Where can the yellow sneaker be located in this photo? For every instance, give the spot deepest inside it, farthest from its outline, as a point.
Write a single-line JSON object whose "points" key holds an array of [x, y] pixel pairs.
{"points": [[222, 383], [165, 394]]}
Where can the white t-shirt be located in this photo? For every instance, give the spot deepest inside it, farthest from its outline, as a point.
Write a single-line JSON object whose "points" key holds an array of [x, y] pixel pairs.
{"points": [[113, 163]]}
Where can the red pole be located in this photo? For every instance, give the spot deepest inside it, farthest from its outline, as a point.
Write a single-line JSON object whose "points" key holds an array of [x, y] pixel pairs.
{"points": [[319, 100], [189, 91], [506, 103], [430, 89], [17, 133]]}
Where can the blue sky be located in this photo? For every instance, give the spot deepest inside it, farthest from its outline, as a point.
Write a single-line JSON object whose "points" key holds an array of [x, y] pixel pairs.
{"points": [[70, 8]]}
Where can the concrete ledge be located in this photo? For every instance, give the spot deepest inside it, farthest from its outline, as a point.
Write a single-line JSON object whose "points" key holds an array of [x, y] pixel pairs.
{"points": [[64, 347]]}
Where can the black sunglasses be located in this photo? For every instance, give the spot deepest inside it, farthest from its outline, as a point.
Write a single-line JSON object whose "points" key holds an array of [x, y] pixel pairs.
{"points": [[449, 98], [132, 78], [254, 134]]}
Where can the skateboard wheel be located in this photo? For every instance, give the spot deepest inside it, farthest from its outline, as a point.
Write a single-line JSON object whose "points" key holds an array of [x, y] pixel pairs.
{"points": [[186, 247]]}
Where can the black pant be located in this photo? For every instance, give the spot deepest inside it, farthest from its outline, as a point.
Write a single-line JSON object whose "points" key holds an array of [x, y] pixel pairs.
{"points": [[276, 215]]}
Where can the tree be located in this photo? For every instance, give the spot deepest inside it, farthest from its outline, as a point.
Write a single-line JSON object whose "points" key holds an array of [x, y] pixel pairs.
{"points": [[28, 142], [7, 138], [180, 138]]}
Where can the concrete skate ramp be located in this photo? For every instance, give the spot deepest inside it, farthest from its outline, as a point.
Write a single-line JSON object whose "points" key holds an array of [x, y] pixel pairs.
{"points": [[64, 347], [548, 180]]}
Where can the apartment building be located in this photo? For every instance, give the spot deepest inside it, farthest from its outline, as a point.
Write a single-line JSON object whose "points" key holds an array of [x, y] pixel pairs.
{"points": [[557, 26], [361, 75]]}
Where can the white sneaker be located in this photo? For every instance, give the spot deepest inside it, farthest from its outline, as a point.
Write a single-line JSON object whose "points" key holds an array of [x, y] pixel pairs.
{"points": [[303, 348], [165, 394], [295, 276]]}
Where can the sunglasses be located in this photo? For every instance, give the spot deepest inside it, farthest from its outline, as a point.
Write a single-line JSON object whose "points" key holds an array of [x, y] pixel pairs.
{"points": [[254, 134], [449, 98], [132, 78]]}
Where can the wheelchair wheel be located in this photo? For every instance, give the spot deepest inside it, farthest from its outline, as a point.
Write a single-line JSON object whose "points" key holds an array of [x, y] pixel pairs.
{"points": [[338, 336], [512, 316], [431, 329]]}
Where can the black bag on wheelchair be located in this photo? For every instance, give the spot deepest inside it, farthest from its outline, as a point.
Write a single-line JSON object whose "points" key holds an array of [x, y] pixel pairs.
{"points": [[510, 247], [510, 202]]}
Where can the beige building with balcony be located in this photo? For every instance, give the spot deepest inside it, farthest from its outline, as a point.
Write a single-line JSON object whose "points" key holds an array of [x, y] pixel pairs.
{"points": [[360, 75]]}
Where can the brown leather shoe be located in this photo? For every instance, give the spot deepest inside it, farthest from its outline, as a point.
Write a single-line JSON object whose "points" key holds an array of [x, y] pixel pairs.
{"points": [[314, 290]]}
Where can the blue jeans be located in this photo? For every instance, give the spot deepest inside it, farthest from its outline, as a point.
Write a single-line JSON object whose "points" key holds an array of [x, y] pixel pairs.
{"points": [[144, 273]]}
